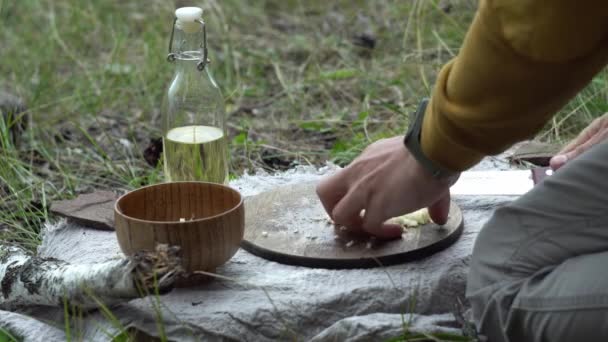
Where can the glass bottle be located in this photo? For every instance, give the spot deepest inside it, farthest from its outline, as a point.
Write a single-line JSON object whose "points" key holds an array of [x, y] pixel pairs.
{"points": [[193, 113]]}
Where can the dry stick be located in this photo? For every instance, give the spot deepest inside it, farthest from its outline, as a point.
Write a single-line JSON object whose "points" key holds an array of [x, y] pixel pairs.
{"points": [[31, 280]]}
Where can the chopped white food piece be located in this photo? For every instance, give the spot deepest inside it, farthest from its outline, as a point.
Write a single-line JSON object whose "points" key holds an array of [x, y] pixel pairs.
{"points": [[265, 234], [343, 228], [421, 216], [182, 220], [409, 222], [414, 219], [350, 243]]}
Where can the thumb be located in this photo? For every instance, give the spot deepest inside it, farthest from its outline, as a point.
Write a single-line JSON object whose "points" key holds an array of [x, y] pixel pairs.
{"points": [[558, 161], [439, 210]]}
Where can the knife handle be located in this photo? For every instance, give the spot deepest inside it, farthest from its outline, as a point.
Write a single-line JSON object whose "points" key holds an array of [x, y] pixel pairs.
{"points": [[540, 173]]}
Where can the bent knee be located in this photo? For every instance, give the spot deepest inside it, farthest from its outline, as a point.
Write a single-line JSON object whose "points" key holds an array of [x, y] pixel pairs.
{"points": [[587, 325], [497, 243]]}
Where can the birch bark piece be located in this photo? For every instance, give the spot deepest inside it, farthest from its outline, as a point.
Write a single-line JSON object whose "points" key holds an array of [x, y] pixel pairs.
{"points": [[289, 225], [27, 280], [94, 210]]}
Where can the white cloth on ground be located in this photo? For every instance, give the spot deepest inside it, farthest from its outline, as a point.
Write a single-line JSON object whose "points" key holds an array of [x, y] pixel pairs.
{"points": [[270, 301]]}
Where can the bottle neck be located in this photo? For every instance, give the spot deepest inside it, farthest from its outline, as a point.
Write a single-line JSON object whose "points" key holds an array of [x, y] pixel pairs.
{"points": [[187, 46], [186, 65]]}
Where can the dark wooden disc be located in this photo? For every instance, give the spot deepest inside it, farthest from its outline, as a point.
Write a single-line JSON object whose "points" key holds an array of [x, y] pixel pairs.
{"points": [[289, 225]]}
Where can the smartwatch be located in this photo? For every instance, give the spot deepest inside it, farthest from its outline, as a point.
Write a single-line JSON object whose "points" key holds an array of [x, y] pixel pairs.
{"points": [[412, 143]]}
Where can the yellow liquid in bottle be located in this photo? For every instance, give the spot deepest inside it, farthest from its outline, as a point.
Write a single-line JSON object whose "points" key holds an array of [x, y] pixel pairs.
{"points": [[196, 153]]}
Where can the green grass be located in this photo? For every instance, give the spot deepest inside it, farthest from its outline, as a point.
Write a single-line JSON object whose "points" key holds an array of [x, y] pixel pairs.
{"points": [[298, 90], [7, 336]]}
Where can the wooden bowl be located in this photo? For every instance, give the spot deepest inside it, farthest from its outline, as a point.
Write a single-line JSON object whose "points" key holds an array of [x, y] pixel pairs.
{"points": [[210, 235]]}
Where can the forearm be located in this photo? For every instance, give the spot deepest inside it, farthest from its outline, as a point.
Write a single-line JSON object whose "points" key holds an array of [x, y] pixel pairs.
{"points": [[509, 78]]}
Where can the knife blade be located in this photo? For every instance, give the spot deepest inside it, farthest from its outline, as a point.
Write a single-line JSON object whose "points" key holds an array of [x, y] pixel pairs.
{"points": [[511, 183]]}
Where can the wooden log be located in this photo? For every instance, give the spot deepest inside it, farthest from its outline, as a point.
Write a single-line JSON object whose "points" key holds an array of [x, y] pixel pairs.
{"points": [[27, 280]]}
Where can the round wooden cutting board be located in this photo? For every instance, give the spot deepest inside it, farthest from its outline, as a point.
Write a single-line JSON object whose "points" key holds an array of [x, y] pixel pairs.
{"points": [[289, 225]]}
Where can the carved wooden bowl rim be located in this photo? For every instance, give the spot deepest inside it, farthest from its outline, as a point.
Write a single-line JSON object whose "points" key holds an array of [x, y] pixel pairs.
{"points": [[222, 187]]}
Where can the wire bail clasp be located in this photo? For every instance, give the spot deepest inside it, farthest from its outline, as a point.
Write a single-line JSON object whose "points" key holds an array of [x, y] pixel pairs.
{"points": [[172, 56], [205, 59]]}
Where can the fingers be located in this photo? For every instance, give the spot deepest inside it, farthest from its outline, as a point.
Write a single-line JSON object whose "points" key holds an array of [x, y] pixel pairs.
{"points": [[440, 210], [386, 181], [374, 221], [331, 190], [347, 212], [571, 152], [577, 151], [387, 231], [582, 138], [587, 138]]}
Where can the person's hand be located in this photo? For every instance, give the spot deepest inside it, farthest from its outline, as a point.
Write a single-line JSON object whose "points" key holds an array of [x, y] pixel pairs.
{"points": [[593, 134], [386, 181]]}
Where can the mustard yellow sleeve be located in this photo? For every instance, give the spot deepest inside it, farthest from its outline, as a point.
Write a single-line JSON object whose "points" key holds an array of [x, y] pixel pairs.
{"points": [[520, 62]]}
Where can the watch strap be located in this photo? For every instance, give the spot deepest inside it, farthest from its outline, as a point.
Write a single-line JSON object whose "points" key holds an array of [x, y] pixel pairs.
{"points": [[412, 142]]}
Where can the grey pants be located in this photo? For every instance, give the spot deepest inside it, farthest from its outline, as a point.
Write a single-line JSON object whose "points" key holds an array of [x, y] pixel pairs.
{"points": [[539, 270]]}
